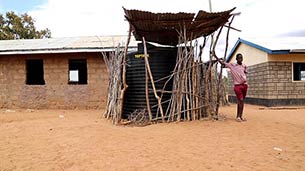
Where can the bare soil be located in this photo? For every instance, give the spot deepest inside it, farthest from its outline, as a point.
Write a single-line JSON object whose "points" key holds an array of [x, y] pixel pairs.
{"points": [[272, 139]]}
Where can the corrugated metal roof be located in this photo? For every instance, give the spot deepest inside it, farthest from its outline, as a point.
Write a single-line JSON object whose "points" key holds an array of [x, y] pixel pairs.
{"points": [[64, 45], [273, 45], [162, 27], [281, 43]]}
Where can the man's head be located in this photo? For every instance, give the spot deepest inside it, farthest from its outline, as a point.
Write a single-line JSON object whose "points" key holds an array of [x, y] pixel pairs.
{"points": [[239, 58]]}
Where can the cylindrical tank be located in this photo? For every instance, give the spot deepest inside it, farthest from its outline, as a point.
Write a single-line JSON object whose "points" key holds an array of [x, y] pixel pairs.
{"points": [[162, 61]]}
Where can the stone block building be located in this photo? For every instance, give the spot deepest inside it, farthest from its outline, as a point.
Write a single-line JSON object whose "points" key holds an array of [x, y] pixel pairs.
{"points": [[56, 73], [276, 70]]}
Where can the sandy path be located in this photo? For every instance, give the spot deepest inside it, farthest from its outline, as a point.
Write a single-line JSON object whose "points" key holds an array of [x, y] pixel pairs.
{"points": [[81, 140]]}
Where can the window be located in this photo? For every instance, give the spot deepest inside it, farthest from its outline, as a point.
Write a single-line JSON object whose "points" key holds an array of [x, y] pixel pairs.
{"points": [[34, 72], [298, 71], [77, 71]]}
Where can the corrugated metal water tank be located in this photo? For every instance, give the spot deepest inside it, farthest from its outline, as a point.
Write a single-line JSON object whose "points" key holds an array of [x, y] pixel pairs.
{"points": [[162, 61]]}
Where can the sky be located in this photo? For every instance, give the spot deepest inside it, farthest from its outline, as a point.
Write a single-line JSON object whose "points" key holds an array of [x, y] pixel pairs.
{"points": [[70, 18]]}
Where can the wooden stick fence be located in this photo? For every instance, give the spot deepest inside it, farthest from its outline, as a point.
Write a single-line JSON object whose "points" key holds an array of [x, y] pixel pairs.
{"points": [[196, 91]]}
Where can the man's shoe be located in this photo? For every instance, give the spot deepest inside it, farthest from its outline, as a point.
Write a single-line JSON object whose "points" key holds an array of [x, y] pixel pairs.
{"points": [[238, 119]]}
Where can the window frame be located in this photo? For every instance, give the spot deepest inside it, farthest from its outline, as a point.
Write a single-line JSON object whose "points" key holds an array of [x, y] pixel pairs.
{"points": [[79, 65], [294, 71], [33, 77]]}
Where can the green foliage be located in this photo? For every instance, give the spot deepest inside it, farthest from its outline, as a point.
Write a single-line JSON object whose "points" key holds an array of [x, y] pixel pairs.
{"points": [[13, 26]]}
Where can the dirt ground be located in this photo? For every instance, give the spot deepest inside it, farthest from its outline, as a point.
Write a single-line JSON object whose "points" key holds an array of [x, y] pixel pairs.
{"points": [[43, 140]]}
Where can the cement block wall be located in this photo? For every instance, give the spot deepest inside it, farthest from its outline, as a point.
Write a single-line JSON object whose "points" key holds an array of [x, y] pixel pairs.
{"points": [[272, 81], [56, 93]]}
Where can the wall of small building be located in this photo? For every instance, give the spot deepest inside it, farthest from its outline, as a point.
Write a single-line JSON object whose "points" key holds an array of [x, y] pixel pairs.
{"points": [[252, 56], [296, 57], [56, 93], [270, 84]]}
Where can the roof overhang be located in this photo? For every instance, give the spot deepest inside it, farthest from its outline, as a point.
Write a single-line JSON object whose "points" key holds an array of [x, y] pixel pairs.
{"points": [[262, 48], [55, 51], [297, 50], [65, 45]]}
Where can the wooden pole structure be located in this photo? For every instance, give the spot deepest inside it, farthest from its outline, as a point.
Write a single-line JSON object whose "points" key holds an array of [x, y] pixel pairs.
{"points": [[152, 80], [210, 5], [125, 86], [195, 90], [146, 82]]}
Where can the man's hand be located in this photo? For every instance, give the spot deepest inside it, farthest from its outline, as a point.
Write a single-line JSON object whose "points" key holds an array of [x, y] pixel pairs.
{"points": [[219, 60], [214, 54]]}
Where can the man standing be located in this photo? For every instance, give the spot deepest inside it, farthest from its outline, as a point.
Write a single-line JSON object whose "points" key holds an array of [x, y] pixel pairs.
{"points": [[238, 71]]}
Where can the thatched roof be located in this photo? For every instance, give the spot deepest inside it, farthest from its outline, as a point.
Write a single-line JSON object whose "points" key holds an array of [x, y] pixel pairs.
{"points": [[163, 27]]}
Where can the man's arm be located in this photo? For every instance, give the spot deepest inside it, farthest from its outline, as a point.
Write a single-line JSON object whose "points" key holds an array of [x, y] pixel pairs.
{"points": [[246, 70], [219, 60]]}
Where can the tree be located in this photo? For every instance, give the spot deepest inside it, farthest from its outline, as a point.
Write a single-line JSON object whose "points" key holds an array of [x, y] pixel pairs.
{"points": [[13, 26]]}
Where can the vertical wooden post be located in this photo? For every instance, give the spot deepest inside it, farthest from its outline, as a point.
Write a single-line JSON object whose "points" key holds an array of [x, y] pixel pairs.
{"points": [[146, 83], [125, 86], [152, 80]]}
